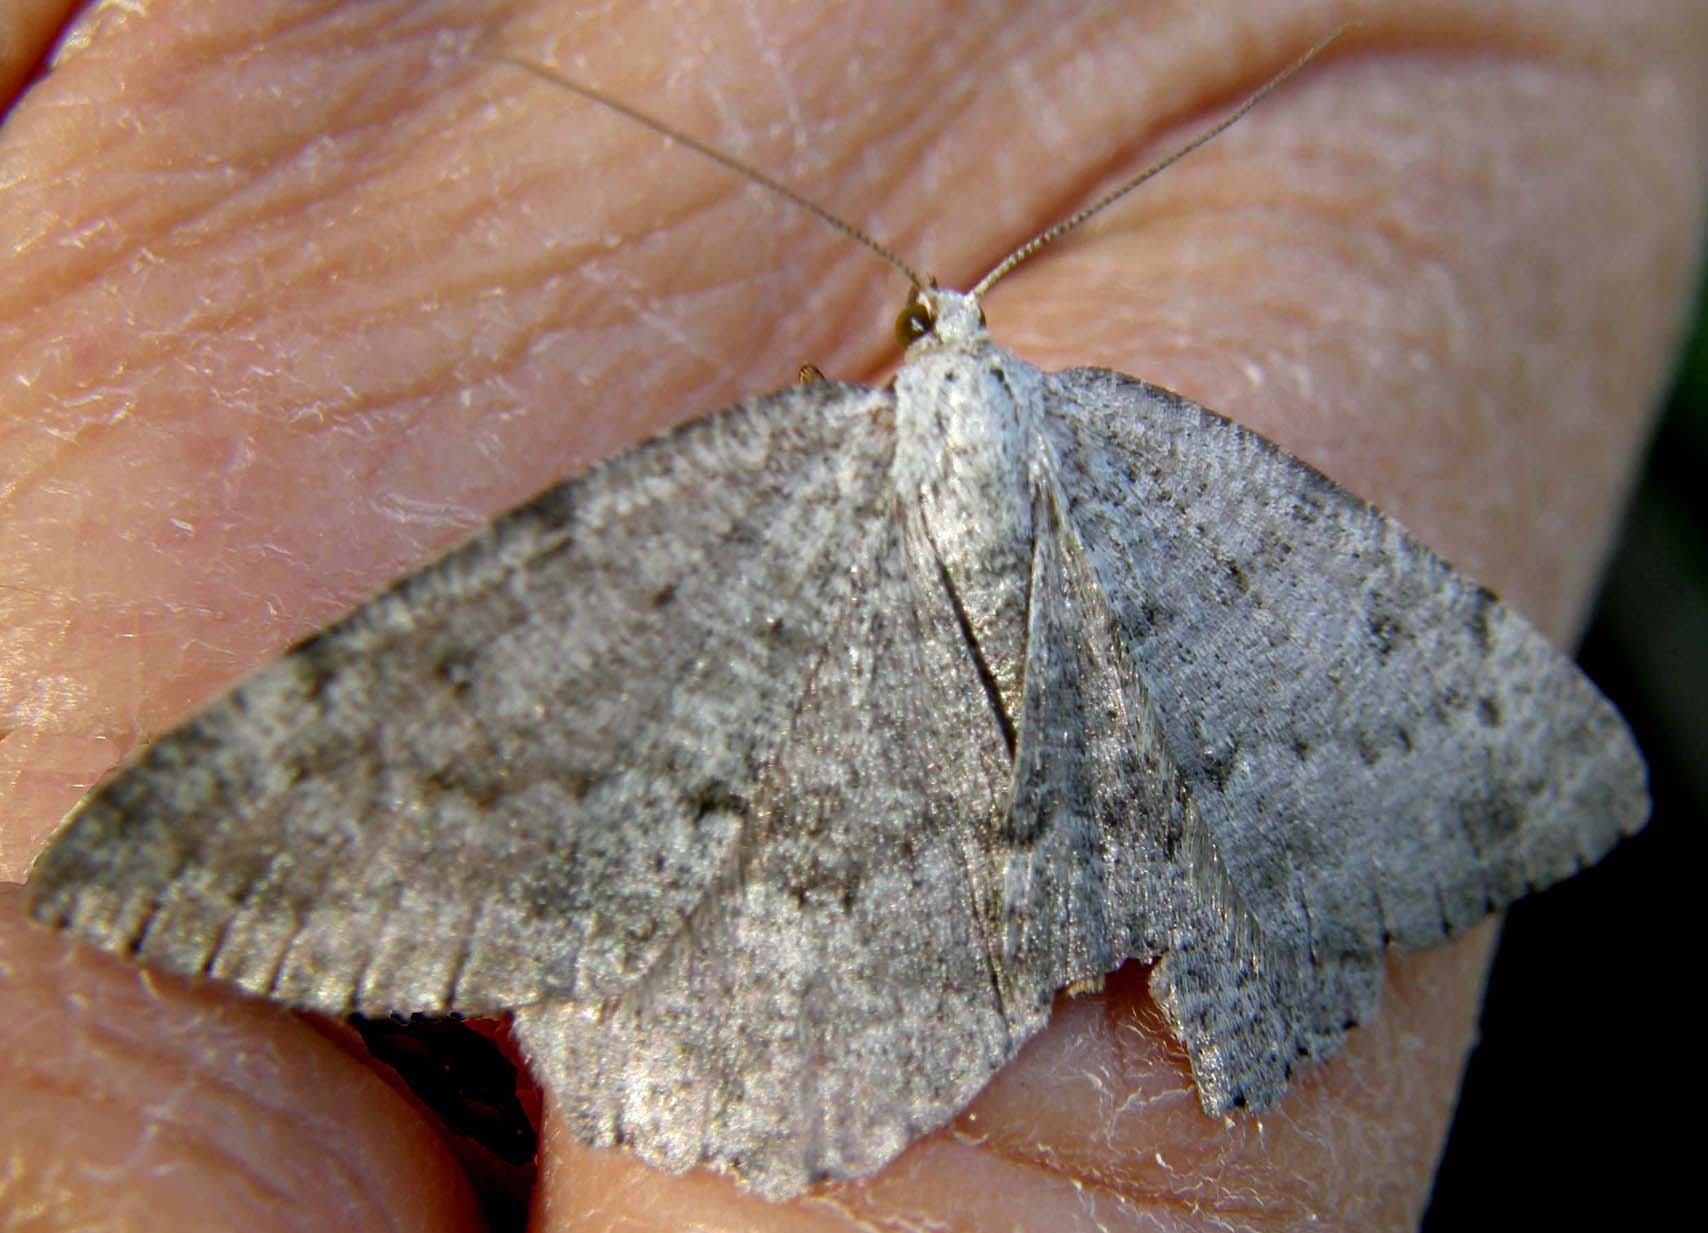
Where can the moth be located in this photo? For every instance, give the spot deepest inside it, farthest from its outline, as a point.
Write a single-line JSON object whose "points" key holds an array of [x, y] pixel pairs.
{"points": [[777, 773]]}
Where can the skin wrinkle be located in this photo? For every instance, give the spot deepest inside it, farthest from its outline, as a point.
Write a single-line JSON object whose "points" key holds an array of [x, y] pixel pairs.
{"points": [[1416, 521], [274, 166], [1056, 1169], [174, 1124]]}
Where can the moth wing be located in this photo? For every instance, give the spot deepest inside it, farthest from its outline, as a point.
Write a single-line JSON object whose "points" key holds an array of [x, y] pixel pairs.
{"points": [[1105, 856], [839, 998], [515, 774], [1092, 847], [1381, 752]]}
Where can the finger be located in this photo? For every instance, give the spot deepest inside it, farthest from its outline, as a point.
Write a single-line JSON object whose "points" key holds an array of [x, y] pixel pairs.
{"points": [[136, 1101]]}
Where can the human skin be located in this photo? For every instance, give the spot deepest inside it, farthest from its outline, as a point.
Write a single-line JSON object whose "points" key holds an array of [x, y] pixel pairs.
{"points": [[296, 295]]}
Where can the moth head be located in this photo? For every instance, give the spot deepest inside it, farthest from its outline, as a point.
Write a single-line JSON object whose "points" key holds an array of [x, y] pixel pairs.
{"points": [[931, 311]]}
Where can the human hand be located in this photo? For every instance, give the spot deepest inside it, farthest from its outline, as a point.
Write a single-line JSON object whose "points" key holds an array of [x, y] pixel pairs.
{"points": [[299, 295]]}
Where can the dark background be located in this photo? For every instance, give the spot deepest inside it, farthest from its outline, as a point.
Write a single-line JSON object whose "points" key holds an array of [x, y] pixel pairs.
{"points": [[1575, 1105]]}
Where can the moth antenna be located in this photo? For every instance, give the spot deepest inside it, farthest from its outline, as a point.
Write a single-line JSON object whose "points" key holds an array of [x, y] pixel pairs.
{"points": [[715, 155], [1056, 230]]}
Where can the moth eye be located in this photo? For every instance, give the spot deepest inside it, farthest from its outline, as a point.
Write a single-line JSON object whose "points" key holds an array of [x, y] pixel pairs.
{"points": [[915, 322]]}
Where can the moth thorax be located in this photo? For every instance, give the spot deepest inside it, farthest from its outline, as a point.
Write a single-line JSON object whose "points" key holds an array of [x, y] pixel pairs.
{"points": [[962, 462]]}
